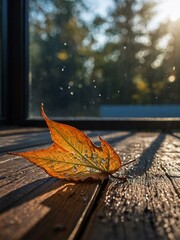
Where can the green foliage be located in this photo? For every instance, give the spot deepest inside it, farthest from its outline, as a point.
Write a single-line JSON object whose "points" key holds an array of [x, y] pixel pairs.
{"points": [[73, 73]]}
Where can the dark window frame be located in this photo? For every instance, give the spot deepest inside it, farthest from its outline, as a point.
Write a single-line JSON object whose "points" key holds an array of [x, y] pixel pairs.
{"points": [[3, 56], [15, 78]]}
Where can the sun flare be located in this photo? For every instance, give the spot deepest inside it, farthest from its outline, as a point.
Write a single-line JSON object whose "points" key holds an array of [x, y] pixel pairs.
{"points": [[170, 9]]}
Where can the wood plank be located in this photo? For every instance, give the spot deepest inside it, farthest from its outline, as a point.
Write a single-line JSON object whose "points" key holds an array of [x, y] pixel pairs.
{"points": [[50, 211], [14, 170], [24, 188], [148, 205], [36, 206], [11, 171], [10, 131], [25, 181], [19, 141]]}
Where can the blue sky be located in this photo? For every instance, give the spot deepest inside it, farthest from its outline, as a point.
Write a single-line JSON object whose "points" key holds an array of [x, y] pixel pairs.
{"points": [[166, 8]]}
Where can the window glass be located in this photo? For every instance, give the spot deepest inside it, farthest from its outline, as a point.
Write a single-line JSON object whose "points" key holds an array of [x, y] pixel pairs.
{"points": [[96, 58], [0, 59]]}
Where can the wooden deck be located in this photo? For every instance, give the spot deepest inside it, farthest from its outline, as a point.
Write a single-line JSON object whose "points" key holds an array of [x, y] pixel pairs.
{"points": [[34, 205]]}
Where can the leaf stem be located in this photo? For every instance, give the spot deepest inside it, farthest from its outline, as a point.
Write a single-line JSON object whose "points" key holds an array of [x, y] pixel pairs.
{"points": [[123, 179], [128, 163]]}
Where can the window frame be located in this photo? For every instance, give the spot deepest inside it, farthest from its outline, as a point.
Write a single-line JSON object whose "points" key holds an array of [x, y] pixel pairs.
{"points": [[15, 58], [3, 29], [17, 62]]}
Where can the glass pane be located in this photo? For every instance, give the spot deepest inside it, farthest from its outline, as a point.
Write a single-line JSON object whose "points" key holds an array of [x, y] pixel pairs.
{"points": [[0, 59], [104, 58]]}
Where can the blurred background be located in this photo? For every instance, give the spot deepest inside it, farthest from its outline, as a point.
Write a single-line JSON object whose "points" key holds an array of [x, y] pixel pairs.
{"points": [[95, 58]]}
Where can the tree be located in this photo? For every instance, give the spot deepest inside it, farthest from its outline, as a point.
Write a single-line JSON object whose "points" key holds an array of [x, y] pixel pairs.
{"points": [[128, 56], [56, 51], [153, 69], [73, 73], [172, 64]]}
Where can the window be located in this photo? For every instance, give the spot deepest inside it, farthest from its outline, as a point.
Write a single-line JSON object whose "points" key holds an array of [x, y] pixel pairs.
{"points": [[88, 62], [0, 59], [104, 58]]}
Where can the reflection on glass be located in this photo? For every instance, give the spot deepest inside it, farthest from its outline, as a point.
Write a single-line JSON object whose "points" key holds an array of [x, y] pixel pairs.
{"points": [[105, 58]]}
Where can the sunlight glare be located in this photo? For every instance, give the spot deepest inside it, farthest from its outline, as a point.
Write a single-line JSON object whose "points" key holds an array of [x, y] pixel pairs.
{"points": [[170, 9]]}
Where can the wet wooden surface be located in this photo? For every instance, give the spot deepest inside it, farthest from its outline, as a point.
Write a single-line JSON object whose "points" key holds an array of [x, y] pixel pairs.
{"points": [[34, 205]]}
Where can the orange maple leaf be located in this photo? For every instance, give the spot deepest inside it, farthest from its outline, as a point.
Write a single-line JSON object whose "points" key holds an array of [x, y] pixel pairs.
{"points": [[73, 156]]}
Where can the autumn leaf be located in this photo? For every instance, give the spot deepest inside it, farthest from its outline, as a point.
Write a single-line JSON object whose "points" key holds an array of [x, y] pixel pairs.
{"points": [[73, 156]]}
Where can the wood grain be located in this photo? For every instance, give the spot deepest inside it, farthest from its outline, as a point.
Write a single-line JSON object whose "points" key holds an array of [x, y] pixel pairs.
{"points": [[147, 206]]}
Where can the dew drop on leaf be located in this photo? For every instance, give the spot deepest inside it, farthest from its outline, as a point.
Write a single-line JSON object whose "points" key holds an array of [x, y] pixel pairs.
{"points": [[103, 160], [71, 148], [94, 155], [75, 168], [90, 170]]}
